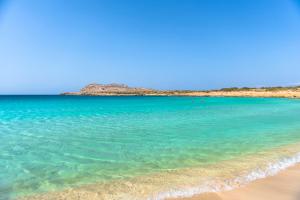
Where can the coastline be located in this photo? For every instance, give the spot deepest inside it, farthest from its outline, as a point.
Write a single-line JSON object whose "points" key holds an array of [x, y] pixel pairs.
{"points": [[124, 90], [253, 183], [283, 186], [262, 94]]}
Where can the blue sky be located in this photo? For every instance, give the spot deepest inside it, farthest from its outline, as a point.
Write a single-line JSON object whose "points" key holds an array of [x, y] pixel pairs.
{"points": [[52, 46]]}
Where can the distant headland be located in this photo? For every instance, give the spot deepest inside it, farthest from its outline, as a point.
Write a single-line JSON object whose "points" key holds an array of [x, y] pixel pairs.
{"points": [[124, 90]]}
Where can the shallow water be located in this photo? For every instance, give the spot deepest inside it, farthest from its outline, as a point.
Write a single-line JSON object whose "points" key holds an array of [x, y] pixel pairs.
{"points": [[49, 143]]}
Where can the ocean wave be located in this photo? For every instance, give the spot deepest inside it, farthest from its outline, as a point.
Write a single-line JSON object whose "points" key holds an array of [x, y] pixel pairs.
{"points": [[270, 169]]}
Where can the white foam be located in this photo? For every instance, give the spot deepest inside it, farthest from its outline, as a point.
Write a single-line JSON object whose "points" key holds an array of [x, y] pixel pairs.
{"points": [[216, 186]]}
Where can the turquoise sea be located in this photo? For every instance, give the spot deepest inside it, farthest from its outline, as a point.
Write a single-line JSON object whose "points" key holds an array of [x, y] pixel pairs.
{"points": [[143, 147]]}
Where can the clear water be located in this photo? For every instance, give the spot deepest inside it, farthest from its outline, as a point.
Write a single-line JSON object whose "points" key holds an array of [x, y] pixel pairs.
{"points": [[49, 143]]}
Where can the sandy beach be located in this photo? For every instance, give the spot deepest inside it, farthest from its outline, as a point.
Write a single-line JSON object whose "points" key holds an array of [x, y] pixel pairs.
{"points": [[283, 186], [272, 94]]}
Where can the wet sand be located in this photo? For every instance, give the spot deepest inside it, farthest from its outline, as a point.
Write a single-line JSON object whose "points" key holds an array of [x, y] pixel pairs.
{"points": [[283, 186]]}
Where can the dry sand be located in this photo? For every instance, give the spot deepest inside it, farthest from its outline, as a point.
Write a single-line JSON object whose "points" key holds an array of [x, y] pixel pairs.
{"points": [[283, 186], [251, 93]]}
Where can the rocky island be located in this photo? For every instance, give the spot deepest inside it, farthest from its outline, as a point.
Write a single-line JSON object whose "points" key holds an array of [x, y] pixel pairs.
{"points": [[124, 90], [113, 89]]}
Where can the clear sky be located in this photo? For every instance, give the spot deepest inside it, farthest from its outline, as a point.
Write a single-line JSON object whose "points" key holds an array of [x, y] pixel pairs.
{"points": [[52, 46]]}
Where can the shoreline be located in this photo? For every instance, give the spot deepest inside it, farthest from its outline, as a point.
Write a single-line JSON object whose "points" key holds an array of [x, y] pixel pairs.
{"points": [[283, 186], [232, 189], [124, 90], [257, 94]]}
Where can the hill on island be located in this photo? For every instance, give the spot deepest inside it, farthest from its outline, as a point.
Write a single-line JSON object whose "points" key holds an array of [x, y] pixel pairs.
{"points": [[110, 89]]}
